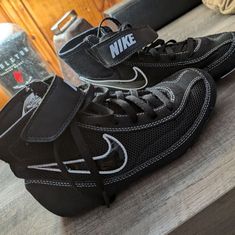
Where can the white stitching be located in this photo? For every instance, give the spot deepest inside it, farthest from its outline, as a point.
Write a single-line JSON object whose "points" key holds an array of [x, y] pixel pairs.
{"points": [[176, 53], [59, 183], [162, 88]]}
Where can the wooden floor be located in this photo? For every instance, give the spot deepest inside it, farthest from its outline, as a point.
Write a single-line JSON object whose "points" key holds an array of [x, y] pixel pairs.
{"points": [[168, 198]]}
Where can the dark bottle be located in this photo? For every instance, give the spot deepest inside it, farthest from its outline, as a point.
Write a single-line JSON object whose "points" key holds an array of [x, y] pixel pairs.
{"points": [[19, 62]]}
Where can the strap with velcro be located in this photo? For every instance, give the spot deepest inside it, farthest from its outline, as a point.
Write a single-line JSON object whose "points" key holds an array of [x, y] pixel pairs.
{"points": [[121, 45], [56, 111]]}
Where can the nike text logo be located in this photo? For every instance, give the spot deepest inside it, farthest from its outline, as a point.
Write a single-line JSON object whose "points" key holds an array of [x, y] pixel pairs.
{"points": [[122, 44], [113, 144]]}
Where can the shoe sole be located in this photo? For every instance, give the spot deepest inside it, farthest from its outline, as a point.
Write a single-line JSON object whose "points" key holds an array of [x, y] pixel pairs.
{"points": [[227, 74]]}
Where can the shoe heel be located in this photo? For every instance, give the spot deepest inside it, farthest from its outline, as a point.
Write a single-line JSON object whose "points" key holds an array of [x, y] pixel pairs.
{"points": [[64, 201]]}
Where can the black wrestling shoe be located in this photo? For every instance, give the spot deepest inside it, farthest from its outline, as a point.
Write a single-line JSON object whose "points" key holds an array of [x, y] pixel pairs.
{"points": [[77, 148], [133, 58]]}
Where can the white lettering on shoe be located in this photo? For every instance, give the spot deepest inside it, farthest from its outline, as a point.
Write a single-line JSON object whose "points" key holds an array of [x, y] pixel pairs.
{"points": [[122, 44]]}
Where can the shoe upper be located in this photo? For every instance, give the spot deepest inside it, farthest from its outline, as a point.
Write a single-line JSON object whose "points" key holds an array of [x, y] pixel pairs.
{"points": [[55, 134], [135, 57]]}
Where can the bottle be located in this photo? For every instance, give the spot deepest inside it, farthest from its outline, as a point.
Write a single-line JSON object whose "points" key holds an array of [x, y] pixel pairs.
{"points": [[64, 29], [19, 62]]}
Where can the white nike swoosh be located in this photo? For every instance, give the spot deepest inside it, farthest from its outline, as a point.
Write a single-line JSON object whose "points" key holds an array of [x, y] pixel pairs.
{"points": [[111, 141], [122, 84]]}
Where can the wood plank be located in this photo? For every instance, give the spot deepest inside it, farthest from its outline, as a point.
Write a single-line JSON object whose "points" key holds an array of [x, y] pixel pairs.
{"points": [[4, 97], [199, 22], [216, 219], [3, 16], [158, 203]]}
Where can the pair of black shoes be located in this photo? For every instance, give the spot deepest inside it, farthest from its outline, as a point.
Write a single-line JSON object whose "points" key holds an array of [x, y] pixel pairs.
{"points": [[78, 147]]}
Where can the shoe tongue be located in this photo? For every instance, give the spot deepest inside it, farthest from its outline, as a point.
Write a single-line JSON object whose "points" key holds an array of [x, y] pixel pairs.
{"points": [[155, 102], [182, 46], [94, 39], [179, 46], [107, 35]]}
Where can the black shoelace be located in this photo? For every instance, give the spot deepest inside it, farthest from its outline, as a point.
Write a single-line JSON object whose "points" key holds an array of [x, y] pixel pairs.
{"points": [[83, 150], [159, 46], [129, 102]]}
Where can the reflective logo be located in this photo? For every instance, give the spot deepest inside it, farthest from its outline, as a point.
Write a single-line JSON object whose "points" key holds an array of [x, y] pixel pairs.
{"points": [[113, 145], [138, 81], [122, 44]]}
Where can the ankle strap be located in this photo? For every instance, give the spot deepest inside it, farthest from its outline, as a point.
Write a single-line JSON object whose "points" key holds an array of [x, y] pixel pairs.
{"points": [[56, 111]]}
